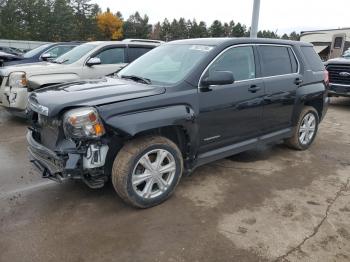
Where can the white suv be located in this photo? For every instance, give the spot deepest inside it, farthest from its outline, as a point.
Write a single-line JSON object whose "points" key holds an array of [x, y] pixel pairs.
{"points": [[90, 60]]}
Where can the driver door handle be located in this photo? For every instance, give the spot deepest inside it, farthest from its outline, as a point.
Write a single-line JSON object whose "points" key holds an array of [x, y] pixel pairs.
{"points": [[254, 88], [298, 81]]}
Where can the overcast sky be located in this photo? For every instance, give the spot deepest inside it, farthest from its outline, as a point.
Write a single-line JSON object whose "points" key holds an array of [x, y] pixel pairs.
{"points": [[281, 15]]}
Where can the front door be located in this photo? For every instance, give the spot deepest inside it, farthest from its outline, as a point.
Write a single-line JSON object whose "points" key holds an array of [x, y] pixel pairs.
{"points": [[231, 113]]}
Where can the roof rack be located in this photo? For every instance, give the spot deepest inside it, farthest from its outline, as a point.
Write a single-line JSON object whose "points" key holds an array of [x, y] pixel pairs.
{"points": [[143, 41]]}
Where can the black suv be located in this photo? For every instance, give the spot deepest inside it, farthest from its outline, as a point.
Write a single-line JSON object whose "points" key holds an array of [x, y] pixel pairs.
{"points": [[339, 75], [182, 105]]}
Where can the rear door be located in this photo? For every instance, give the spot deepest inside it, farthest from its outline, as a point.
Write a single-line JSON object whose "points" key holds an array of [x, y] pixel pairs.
{"points": [[232, 113], [337, 47], [280, 72], [112, 59]]}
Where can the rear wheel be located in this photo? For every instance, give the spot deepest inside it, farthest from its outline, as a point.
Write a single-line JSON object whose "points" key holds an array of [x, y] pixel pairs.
{"points": [[147, 170], [306, 129]]}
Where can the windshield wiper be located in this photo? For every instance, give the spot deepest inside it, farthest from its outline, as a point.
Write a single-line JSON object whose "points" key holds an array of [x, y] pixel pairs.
{"points": [[138, 79]]}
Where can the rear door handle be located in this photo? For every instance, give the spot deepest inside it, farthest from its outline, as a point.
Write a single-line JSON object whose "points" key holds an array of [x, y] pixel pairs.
{"points": [[254, 88], [298, 81]]}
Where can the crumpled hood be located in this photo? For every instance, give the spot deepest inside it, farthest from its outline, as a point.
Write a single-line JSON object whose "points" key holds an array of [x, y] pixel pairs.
{"points": [[31, 68], [91, 93]]}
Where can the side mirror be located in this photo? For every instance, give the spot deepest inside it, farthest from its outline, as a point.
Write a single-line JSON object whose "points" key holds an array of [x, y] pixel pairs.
{"points": [[218, 78], [93, 61], [46, 56]]}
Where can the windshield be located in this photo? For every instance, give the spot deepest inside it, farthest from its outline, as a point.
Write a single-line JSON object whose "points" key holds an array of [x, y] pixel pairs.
{"points": [[166, 64], [75, 54], [36, 51]]}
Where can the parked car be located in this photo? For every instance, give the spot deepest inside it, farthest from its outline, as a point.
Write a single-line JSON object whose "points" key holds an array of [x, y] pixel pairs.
{"points": [[10, 50], [90, 60], [180, 106], [6, 57], [339, 75], [43, 53]]}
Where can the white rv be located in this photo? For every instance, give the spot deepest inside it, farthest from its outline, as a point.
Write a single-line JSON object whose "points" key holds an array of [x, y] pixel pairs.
{"points": [[330, 43]]}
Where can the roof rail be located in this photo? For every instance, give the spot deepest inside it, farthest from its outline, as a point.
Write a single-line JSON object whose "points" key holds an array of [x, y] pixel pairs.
{"points": [[143, 41]]}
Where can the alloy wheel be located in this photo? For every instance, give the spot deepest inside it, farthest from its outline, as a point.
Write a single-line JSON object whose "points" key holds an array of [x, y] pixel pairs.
{"points": [[153, 173], [307, 129]]}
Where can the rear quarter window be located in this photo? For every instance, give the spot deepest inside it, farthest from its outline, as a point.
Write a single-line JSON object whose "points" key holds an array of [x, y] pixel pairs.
{"points": [[312, 58]]}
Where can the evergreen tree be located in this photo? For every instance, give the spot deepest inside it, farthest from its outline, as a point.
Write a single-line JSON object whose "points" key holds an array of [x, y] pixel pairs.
{"points": [[165, 32], [217, 29], [137, 26]]}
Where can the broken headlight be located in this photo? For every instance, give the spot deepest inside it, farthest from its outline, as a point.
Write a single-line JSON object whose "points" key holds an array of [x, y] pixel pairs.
{"points": [[83, 123]]}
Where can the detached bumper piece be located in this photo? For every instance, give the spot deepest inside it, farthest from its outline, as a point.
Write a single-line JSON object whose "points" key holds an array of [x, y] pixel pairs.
{"points": [[46, 161], [58, 167]]}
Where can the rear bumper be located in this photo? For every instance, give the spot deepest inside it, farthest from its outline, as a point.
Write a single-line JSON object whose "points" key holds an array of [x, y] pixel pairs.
{"points": [[339, 90]]}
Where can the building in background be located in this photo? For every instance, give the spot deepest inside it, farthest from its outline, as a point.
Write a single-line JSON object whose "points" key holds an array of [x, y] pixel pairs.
{"points": [[329, 43]]}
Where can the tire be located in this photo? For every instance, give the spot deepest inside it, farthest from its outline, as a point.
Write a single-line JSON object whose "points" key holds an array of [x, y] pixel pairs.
{"points": [[133, 181], [296, 141]]}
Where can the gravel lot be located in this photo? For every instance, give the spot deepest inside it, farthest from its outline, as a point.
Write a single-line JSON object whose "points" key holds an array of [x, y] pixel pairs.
{"points": [[271, 204]]}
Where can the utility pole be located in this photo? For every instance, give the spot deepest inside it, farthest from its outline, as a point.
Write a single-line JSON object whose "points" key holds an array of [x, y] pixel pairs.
{"points": [[255, 19]]}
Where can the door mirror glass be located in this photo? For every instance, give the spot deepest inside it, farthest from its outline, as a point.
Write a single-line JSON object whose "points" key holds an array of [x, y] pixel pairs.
{"points": [[218, 78], [93, 61]]}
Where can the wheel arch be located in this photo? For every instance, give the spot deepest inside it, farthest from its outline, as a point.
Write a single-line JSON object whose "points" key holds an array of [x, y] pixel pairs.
{"points": [[176, 123], [313, 95]]}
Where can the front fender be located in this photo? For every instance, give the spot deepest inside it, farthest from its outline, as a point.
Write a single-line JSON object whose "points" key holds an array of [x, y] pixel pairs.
{"points": [[36, 81], [136, 122]]}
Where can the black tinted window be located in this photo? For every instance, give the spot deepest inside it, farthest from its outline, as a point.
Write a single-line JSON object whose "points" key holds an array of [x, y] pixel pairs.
{"points": [[112, 56], [276, 60], [238, 60], [136, 52], [312, 59], [338, 42]]}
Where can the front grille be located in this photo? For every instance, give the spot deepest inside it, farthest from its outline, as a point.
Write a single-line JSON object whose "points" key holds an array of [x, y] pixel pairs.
{"points": [[338, 74], [47, 131]]}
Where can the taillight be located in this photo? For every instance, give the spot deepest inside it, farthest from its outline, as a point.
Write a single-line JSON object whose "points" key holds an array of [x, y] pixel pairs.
{"points": [[326, 77]]}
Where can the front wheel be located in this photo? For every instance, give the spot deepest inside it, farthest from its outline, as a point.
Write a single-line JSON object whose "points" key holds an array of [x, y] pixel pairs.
{"points": [[306, 129], [147, 170]]}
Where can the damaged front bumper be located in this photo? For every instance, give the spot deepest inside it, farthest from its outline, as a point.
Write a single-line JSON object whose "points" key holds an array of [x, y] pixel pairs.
{"points": [[14, 99], [87, 164]]}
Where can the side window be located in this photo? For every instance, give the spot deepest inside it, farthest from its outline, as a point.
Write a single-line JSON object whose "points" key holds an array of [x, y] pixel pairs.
{"points": [[114, 55], [312, 58], [338, 42], [293, 60], [238, 60], [136, 52], [64, 49], [276, 60]]}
